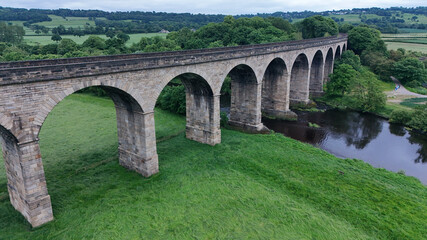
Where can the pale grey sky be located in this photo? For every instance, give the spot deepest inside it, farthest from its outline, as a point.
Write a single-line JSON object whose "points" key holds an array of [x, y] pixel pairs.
{"points": [[211, 6]]}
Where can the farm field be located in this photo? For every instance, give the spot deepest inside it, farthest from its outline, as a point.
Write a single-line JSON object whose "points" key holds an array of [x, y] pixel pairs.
{"points": [[408, 46], [68, 22], [408, 41], [247, 187], [43, 40]]}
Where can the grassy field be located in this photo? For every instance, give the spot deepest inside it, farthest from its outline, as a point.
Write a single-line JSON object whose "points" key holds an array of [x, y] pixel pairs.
{"points": [[43, 40], [412, 30], [414, 102], [68, 22], [408, 40], [408, 46], [248, 187], [421, 18], [415, 41]]}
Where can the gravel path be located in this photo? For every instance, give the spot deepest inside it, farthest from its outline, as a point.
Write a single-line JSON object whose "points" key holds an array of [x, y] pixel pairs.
{"points": [[397, 96]]}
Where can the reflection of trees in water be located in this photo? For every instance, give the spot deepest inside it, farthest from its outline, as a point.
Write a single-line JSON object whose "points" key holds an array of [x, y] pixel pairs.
{"points": [[296, 130], [396, 129], [413, 138], [422, 151], [357, 129]]}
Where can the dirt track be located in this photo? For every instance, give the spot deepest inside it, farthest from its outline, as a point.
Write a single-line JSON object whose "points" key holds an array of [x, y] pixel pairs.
{"points": [[397, 96]]}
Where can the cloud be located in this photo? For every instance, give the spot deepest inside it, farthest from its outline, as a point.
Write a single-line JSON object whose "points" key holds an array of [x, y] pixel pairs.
{"points": [[209, 6]]}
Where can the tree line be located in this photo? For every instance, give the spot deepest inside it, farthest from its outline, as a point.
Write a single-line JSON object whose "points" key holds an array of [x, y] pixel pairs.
{"points": [[144, 22]]}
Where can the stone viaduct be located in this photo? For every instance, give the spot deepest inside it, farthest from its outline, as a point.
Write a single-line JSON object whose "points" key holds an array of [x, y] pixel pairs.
{"points": [[265, 77]]}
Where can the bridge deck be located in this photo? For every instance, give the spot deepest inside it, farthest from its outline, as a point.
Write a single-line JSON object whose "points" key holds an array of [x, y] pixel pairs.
{"points": [[42, 70]]}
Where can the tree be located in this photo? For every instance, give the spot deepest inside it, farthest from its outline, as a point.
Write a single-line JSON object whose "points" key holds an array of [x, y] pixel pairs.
{"points": [[378, 63], [56, 38], [341, 79], [14, 54], [281, 24], [51, 48], [11, 33], [410, 69], [345, 28], [110, 33], [67, 46], [348, 57], [172, 98], [94, 42], [123, 36], [362, 38], [182, 37], [419, 118], [318, 26], [365, 93]]}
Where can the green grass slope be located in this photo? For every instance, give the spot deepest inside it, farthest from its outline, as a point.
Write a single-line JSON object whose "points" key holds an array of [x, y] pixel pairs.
{"points": [[44, 40], [247, 187]]}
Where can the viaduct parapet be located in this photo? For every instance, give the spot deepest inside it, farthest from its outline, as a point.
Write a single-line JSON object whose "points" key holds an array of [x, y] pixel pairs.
{"points": [[264, 78]]}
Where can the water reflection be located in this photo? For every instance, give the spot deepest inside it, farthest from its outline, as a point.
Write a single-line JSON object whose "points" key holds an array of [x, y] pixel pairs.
{"points": [[362, 136], [397, 129], [422, 151]]}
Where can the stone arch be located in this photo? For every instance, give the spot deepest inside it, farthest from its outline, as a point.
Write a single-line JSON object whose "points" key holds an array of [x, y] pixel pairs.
{"points": [[27, 184], [275, 88], [337, 53], [110, 87], [316, 73], [202, 109], [344, 47], [299, 84], [135, 128], [245, 109], [329, 65]]}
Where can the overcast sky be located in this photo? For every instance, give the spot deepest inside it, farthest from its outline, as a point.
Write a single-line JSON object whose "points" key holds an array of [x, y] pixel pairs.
{"points": [[210, 6]]}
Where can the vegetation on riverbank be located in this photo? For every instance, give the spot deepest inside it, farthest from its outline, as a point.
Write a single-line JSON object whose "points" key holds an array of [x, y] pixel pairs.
{"points": [[249, 186], [355, 86]]}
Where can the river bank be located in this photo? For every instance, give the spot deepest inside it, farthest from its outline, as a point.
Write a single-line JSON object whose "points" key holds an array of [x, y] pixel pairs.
{"points": [[350, 134]]}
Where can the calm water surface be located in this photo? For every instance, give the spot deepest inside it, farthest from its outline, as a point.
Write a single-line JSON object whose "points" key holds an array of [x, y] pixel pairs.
{"points": [[362, 136]]}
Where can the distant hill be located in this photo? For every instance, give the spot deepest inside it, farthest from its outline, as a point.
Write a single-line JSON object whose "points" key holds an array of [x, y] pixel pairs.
{"points": [[78, 22]]}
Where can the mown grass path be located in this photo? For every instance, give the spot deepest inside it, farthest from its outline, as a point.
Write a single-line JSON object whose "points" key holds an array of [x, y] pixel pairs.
{"points": [[247, 187]]}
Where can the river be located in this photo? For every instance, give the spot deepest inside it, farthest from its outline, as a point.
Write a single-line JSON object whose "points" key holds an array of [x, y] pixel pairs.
{"points": [[348, 134]]}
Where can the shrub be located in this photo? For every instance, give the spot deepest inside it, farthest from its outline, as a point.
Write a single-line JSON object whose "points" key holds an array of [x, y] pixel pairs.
{"points": [[172, 99], [97, 91], [400, 116], [409, 69], [419, 118], [366, 93], [226, 86], [341, 79], [224, 119]]}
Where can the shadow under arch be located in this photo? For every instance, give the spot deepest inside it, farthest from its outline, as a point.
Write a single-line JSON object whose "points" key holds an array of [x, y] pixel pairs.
{"points": [[344, 47], [316, 73], [245, 106], [337, 53], [275, 89], [329, 65], [299, 84], [11, 156], [202, 109]]}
